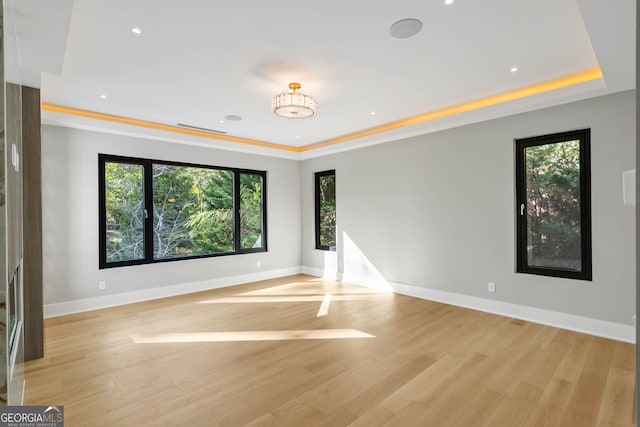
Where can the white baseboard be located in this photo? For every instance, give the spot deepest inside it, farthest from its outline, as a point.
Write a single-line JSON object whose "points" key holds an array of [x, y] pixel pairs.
{"points": [[88, 304], [366, 281], [572, 322], [587, 325], [318, 272], [376, 283]]}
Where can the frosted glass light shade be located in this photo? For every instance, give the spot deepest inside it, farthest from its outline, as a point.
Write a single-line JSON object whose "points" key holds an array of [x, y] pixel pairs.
{"points": [[294, 105]]}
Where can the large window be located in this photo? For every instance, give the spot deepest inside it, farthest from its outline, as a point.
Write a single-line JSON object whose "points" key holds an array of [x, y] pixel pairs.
{"points": [[553, 205], [152, 211], [325, 190]]}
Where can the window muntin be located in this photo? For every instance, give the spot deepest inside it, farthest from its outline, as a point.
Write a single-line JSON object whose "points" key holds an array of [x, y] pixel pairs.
{"points": [[325, 207], [554, 209], [180, 210]]}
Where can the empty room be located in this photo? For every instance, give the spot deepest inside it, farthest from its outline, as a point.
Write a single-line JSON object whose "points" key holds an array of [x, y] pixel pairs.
{"points": [[408, 213]]}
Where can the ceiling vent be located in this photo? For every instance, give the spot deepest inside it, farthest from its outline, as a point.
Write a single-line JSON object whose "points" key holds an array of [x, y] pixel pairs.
{"points": [[201, 128]]}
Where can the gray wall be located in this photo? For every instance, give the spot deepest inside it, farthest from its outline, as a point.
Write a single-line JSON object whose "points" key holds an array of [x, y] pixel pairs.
{"points": [[438, 211], [434, 211], [70, 216]]}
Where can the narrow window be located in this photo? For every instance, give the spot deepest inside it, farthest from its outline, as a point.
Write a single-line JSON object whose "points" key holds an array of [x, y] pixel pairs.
{"points": [[252, 220], [152, 211], [123, 212], [553, 205], [325, 191]]}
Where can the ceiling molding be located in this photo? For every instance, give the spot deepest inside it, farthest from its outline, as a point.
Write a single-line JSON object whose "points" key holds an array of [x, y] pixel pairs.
{"points": [[547, 86], [559, 83], [162, 127]]}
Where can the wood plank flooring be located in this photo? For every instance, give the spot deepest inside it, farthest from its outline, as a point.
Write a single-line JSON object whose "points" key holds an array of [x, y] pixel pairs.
{"points": [[302, 351]]}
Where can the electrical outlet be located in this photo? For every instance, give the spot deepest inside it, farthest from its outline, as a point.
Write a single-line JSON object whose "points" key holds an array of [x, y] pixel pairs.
{"points": [[102, 285], [491, 287], [258, 264]]}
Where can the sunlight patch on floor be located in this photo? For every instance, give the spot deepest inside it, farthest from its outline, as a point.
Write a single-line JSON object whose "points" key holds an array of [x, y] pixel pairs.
{"points": [[324, 307], [313, 290], [293, 298], [295, 288], [191, 337]]}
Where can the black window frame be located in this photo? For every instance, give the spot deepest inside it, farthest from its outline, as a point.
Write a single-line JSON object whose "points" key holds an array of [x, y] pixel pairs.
{"points": [[521, 144], [317, 177], [148, 206]]}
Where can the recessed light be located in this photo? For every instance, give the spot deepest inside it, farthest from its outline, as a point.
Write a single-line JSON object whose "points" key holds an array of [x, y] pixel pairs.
{"points": [[233, 118], [136, 30], [448, 2], [405, 28], [373, 113], [103, 96], [514, 69], [297, 136], [221, 121]]}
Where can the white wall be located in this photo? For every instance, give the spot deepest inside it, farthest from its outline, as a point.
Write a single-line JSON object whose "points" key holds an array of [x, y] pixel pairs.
{"points": [[437, 211], [70, 217]]}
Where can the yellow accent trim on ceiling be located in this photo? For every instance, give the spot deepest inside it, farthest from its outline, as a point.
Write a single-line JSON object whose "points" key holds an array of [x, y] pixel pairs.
{"points": [[573, 79], [160, 126], [570, 80]]}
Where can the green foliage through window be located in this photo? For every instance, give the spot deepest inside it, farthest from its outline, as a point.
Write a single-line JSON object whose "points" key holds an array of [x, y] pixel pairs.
{"points": [[553, 205], [325, 210], [554, 220], [191, 211], [250, 210], [124, 199]]}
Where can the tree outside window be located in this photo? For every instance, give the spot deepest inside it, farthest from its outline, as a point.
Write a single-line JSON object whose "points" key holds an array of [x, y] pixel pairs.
{"points": [[325, 189], [554, 221], [157, 211]]}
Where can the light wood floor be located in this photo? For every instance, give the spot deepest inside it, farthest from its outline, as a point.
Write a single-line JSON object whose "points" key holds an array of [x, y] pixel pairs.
{"points": [[282, 352]]}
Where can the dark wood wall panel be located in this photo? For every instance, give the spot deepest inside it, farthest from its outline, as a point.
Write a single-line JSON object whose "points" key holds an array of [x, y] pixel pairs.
{"points": [[14, 178], [14, 294], [32, 233]]}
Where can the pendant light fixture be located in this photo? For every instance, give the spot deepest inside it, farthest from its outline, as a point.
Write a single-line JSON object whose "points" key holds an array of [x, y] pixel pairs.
{"points": [[293, 104]]}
